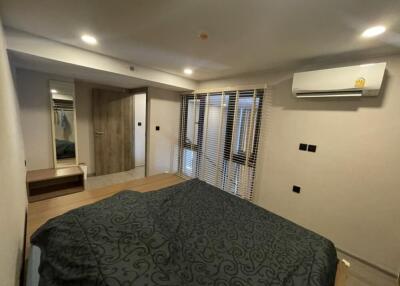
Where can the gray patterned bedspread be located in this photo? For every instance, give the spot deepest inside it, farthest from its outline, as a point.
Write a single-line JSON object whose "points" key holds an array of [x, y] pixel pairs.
{"points": [[188, 234]]}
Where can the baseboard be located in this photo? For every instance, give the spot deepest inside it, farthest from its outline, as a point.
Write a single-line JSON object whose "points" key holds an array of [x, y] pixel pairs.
{"points": [[369, 264], [363, 272]]}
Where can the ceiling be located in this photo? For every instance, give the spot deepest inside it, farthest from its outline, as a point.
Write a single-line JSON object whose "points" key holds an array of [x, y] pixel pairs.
{"points": [[72, 71], [244, 35]]}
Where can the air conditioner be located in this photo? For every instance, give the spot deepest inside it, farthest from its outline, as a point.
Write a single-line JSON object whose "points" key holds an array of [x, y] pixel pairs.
{"points": [[361, 80]]}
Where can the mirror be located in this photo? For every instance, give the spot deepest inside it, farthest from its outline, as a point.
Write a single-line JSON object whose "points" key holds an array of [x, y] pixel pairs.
{"points": [[62, 98]]}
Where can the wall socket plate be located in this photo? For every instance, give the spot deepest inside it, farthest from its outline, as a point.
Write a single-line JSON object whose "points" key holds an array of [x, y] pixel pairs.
{"points": [[296, 189], [303, 147]]}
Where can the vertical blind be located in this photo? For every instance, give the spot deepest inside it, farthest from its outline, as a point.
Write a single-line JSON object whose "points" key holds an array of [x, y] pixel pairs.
{"points": [[219, 136]]}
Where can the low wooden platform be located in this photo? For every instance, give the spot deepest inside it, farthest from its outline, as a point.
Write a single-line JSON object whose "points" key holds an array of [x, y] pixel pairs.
{"points": [[50, 183], [49, 174], [41, 211]]}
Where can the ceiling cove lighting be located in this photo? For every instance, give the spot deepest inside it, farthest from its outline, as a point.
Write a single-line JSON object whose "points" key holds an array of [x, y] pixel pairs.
{"points": [[53, 90], [373, 32], [188, 71], [88, 39]]}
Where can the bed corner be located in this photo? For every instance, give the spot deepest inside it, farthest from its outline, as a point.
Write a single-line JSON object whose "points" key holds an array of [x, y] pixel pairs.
{"points": [[342, 272]]}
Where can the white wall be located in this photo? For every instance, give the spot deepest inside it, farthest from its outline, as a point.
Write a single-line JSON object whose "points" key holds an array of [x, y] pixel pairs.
{"points": [[12, 177], [163, 144], [84, 119], [140, 131], [350, 186], [34, 102]]}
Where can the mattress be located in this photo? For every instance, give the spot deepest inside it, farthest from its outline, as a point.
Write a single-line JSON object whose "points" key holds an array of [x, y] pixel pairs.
{"points": [[32, 275], [187, 234]]}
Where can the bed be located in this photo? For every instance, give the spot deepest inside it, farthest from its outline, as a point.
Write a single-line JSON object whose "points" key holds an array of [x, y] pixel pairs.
{"points": [[188, 234]]}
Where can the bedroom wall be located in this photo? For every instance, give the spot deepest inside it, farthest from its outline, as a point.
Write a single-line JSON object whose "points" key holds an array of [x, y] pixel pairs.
{"points": [[34, 103], [140, 131], [84, 119], [164, 106], [12, 177], [32, 87], [350, 186], [33, 96]]}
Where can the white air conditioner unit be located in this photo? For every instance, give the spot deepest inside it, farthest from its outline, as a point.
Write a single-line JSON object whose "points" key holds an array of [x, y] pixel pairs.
{"points": [[361, 80]]}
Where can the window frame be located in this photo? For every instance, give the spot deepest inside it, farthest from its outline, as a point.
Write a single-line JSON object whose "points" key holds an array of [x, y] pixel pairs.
{"points": [[236, 157], [194, 146]]}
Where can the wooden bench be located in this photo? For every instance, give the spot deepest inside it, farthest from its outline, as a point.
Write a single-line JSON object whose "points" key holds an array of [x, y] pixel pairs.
{"points": [[50, 183]]}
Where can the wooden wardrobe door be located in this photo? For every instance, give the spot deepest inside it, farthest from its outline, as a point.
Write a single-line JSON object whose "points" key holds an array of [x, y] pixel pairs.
{"points": [[113, 116]]}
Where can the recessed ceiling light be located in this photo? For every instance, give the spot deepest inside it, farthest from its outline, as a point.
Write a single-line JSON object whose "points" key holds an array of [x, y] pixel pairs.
{"points": [[366, 65], [53, 90], [373, 32], [188, 71], [88, 39]]}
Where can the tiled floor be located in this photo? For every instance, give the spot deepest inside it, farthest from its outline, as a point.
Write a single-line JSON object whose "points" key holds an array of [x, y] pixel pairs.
{"points": [[96, 182]]}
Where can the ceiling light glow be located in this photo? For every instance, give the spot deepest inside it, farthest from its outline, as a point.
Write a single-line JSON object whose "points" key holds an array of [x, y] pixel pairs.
{"points": [[88, 39], [373, 31], [188, 71], [366, 65]]}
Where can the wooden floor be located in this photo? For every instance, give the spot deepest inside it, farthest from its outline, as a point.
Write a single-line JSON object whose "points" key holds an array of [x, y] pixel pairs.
{"points": [[42, 211]]}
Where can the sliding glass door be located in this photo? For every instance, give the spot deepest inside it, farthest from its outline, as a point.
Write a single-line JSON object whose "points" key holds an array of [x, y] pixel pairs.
{"points": [[219, 138]]}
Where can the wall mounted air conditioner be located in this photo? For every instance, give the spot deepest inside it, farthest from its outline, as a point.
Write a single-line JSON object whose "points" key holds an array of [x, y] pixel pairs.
{"points": [[361, 80]]}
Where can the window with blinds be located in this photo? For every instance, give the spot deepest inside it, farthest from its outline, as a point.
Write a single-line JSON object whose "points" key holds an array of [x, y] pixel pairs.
{"points": [[219, 136]]}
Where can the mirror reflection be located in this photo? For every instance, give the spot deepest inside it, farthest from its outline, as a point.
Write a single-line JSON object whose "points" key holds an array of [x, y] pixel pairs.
{"points": [[64, 129]]}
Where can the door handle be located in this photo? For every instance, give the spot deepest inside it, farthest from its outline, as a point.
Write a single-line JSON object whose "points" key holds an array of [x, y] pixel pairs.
{"points": [[99, 132]]}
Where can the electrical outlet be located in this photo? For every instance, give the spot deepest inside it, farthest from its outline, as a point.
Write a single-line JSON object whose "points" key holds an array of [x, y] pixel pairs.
{"points": [[303, 147], [312, 148], [296, 189]]}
